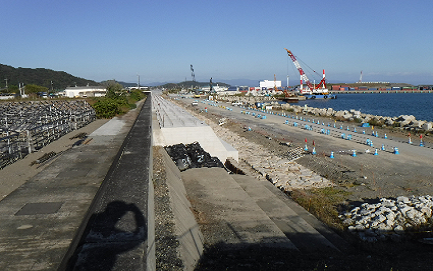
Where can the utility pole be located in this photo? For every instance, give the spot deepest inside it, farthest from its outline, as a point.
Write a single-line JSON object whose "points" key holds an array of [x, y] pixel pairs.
{"points": [[138, 81], [6, 83]]}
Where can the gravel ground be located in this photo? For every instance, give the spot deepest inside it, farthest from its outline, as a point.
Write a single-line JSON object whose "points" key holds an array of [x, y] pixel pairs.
{"points": [[165, 239]]}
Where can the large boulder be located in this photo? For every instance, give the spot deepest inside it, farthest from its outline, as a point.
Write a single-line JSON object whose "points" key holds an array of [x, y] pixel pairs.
{"points": [[416, 123], [428, 126], [405, 120]]}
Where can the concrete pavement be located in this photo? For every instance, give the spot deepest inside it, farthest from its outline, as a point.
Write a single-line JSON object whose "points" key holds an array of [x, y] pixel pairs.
{"points": [[43, 216]]}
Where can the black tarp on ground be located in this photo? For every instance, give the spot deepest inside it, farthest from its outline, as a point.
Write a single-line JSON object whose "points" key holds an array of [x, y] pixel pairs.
{"points": [[191, 156]]}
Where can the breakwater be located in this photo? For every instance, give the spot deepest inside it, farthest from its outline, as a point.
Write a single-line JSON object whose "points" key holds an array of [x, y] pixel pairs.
{"points": [[407, 111], [380, 104]]}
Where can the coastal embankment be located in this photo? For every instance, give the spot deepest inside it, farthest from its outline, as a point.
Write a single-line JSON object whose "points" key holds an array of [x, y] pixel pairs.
{"points": [[369, 181]]}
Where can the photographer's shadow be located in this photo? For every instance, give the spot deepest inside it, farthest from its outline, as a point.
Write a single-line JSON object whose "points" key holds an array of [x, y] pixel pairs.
{"points": [[117, 231]]}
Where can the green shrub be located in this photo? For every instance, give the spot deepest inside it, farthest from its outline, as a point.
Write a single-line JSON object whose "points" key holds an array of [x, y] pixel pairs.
{"points": [[107, 108]]}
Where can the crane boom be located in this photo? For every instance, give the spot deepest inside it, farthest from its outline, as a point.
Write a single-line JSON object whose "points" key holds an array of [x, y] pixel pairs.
{"points": [[320, 88], [304, 77]]}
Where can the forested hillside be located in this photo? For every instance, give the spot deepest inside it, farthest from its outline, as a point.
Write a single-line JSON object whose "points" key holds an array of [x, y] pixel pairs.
{"points": [[39, 76]]}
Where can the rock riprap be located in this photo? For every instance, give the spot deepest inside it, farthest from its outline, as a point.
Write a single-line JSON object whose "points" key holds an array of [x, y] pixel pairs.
{"points": [[284, 173], [388, 218]]}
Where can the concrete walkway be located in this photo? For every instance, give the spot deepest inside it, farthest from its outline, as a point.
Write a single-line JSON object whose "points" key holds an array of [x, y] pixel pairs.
{"points": [[41, 216]]}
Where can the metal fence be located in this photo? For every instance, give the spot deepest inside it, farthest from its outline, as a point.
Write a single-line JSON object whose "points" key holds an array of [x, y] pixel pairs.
{"points": [[26, 127]]}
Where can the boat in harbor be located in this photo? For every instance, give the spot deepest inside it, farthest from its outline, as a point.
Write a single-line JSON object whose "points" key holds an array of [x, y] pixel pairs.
{"points": [[310, 91]]}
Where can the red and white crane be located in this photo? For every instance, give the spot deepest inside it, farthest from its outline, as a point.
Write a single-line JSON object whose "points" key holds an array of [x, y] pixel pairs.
{"points": [[309, 89]]}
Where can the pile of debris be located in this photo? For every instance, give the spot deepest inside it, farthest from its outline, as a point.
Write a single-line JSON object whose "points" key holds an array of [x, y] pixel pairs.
{"points": [[191, 156]]}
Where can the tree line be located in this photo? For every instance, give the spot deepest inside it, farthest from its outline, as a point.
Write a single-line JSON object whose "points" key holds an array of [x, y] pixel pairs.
{"points": [[45, 79]]}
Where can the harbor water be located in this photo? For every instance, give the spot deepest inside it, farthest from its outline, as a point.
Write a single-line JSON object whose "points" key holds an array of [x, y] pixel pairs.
{"points": [[419, 105]]}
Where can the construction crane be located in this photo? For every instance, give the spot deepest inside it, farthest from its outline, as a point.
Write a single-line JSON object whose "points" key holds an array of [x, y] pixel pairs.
{"points": [[319, 89]]}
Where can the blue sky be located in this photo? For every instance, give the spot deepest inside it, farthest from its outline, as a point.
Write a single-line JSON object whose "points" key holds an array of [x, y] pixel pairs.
{"points": [[389, 40]]}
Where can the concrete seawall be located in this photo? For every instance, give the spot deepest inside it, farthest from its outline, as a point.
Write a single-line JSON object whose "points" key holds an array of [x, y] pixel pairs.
{"points": [[118, 230]]}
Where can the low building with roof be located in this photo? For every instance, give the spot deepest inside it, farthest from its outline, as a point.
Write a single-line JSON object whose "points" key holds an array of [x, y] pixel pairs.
{"points": [[83, 92]]}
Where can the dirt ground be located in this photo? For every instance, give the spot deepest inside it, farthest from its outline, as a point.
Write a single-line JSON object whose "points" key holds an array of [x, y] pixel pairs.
{"points": [[365, 179]]}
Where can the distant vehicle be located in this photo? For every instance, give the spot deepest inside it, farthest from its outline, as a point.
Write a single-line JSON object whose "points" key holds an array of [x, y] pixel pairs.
{"points": [[236, 103], [194, 103]]}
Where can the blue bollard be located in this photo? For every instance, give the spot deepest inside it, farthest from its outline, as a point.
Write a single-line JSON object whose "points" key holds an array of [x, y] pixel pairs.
{"points": [[332, 155], [375, 152], [385, 136], [353, 153], [383, 147], [396, 150]]}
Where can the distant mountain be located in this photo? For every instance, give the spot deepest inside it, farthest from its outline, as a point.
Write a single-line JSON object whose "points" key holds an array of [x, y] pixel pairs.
{"points": [[41, 77], [242, 82], [220, 82], [124, 84], [195, 84]]}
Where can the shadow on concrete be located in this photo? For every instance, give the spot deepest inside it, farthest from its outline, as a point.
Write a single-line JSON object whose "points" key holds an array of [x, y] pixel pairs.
{"points": [[120, 228]]}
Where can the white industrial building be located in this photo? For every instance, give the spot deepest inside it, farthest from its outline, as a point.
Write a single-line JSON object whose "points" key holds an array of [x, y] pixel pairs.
{"points": [[87, 91], [216, 88], [266, 84]]}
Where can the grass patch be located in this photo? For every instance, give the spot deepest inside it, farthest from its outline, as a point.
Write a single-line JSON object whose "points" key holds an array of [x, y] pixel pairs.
{"points": [[322, 203]]}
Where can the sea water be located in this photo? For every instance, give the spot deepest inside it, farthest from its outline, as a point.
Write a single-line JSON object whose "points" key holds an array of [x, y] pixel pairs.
{"points": [[419, 105]]}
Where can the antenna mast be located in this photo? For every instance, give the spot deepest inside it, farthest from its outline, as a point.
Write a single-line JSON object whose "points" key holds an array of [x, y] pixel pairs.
{"points": [[360, 78]]}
